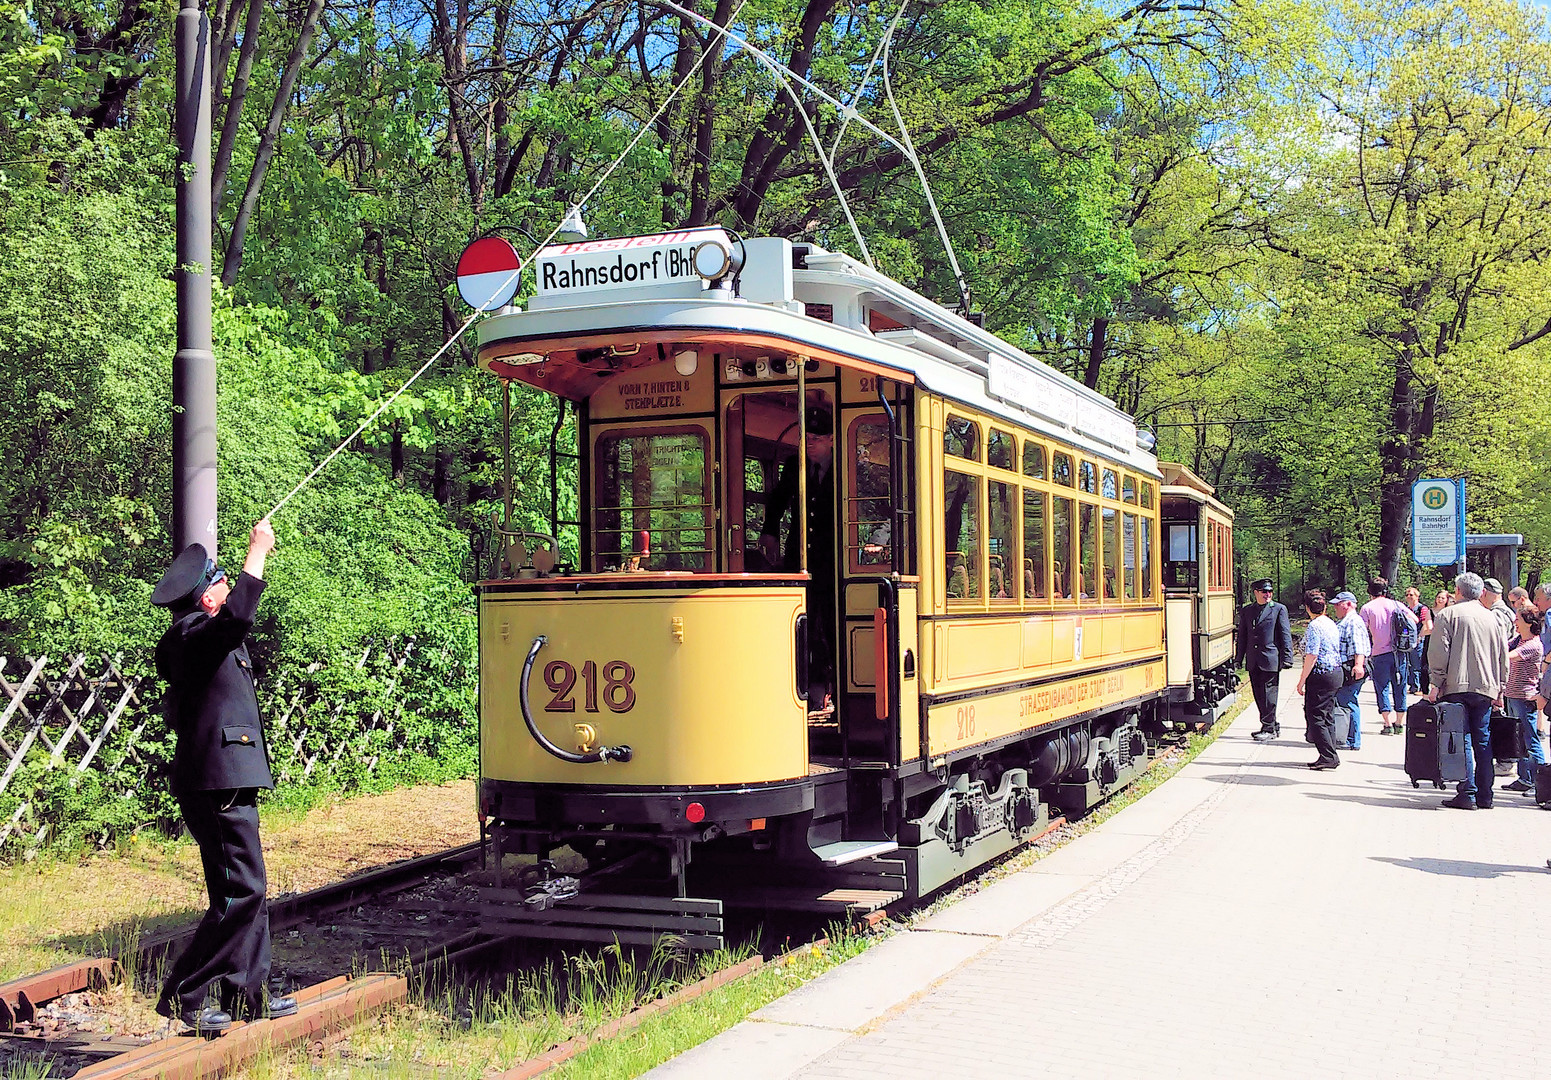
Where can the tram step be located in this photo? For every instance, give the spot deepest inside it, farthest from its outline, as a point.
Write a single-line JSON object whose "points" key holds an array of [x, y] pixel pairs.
{"points": [[850, 851], [814, 899]]}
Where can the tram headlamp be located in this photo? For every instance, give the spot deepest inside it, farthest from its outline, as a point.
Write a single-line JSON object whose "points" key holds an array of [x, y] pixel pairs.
{"points": [[1146, 440], [714, 262], [686, 362]]}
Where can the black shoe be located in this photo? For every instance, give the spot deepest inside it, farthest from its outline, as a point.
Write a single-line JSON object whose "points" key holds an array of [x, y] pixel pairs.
{"points": [[207, 1021], [1323, 766], [280, 1006], [1461, 802], [1263, 735], [1519, 786]]}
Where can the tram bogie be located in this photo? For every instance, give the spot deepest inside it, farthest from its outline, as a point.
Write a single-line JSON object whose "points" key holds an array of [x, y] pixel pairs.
{"points": [[863, 591]]}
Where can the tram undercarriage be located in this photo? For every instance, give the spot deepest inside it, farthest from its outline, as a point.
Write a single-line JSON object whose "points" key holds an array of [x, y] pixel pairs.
{"points": [[829, 831]]}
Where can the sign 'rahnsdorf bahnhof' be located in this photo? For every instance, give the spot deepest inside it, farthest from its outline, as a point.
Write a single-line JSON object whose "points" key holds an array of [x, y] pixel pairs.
{"points": [[636, 260]]}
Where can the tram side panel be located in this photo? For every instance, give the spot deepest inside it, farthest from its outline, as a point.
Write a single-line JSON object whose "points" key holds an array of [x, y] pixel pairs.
{"points": [[1024, 709]]}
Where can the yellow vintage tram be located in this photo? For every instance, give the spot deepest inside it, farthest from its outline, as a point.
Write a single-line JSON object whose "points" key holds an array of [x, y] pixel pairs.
{"points": [[1199, 596], [860, 585]]}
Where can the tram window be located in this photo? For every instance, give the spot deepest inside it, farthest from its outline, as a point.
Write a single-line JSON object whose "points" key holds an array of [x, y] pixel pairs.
{"points": [[999, 449], [1061, 547], [871, 508], [1002, 541], [1147, 495], [1211, 555], [961, 438], [1033, 459], [1111, 556], [961, 535], [1111, 489], [1061, 469], [1034, 544], [1128, 540], [1087, 549], [1128, 489], [652, 483], [1146, 558], [1088, 478], [1179, 556]]}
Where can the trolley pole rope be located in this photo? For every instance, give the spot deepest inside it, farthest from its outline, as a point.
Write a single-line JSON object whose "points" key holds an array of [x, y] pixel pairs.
{"points": [[718, 37]]}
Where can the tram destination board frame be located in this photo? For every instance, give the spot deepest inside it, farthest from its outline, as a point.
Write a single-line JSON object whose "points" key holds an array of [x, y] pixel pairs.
{"points": [[1438, 522]]}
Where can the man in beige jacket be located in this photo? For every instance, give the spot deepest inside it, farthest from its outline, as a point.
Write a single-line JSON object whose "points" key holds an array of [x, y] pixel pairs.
{"points": [[1467, 660]]}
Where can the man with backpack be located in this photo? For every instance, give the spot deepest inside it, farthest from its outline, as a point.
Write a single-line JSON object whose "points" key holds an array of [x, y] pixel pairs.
{"points": [[1393, 631]]}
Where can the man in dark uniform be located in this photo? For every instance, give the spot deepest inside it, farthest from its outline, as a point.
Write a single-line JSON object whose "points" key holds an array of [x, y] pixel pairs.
{"points": [[1265, 648], [821, 546], [217, 769]]}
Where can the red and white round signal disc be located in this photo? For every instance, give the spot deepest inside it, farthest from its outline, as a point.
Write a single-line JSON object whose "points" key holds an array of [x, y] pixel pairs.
{"points": [[488, 273]]}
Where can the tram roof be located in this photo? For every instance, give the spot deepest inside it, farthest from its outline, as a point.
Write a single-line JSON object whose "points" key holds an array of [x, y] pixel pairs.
{"points": [[875, 324], [1180, 482]]}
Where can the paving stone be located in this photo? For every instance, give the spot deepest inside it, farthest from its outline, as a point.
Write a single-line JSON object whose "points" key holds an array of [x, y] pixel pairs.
{"points": [[752, 1051], [1003, 907], [864, 988], [1256, 920]]}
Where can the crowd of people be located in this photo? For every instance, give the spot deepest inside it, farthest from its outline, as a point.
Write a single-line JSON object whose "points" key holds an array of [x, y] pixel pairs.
{"points": [[1476, 646]]}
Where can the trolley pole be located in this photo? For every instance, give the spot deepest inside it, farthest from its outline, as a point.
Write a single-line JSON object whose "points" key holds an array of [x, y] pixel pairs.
{"points": [[193, 367]]}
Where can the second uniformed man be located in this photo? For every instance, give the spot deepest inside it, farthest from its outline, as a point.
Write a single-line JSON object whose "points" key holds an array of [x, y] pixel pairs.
{"points": [[1265, 648], [218, 766]]}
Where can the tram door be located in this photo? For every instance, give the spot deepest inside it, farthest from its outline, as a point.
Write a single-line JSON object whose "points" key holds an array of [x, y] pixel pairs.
{"points": [[764, 532]]}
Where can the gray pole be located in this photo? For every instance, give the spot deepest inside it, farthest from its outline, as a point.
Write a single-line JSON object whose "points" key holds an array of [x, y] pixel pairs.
{"points": [[193, 368]]}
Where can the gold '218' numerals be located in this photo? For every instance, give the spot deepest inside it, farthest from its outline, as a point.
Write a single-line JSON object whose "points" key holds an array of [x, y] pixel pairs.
{"points": [[618, 694]]}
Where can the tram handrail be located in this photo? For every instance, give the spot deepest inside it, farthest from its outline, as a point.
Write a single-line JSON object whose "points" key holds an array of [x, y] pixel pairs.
{"points": [[602, 753]]}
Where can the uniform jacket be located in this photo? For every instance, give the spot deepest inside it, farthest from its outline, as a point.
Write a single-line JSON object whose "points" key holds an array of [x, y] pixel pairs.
{"points": [[211, 700], [1466, 652], [1265, 637]]}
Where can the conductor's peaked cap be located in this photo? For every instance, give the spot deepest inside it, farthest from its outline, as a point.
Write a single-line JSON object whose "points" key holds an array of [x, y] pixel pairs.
{"points": [[187, 577]]}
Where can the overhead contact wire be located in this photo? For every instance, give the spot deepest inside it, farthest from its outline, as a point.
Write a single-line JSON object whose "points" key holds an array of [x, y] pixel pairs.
{"points": [[721, 33]]}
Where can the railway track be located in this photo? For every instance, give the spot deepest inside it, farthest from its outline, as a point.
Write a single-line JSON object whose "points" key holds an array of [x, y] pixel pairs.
{"points": [[49, 1018]]}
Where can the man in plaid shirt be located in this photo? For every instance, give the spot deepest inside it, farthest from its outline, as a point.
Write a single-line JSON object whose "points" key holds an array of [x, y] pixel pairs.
{"points": [[1355, 645]]}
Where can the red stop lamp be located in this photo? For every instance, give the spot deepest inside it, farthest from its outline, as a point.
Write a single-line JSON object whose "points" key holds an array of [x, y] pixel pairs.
{"points": [[694, 813]]}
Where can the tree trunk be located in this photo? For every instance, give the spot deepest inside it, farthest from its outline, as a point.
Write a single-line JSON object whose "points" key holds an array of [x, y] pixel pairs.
{"points": [[454, 43], [266, 148], [441, 482], [700, 168], [233, 118], [1097, 342]]}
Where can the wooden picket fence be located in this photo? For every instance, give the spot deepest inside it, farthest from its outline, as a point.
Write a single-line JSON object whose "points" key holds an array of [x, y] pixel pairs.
{"points": [[82, 714]]}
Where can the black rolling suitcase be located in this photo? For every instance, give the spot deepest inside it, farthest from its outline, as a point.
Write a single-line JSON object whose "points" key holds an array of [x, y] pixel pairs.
{"points": [[1435, 743], [1543, 786], [1507, 737]]}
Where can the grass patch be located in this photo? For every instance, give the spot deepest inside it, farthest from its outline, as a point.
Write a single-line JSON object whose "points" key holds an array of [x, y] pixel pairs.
{"points": [[450, 1031], [58, 908]]}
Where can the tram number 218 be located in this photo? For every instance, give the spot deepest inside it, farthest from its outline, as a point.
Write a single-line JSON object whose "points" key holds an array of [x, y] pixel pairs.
{"points": [[965, 718], [617, 694]]}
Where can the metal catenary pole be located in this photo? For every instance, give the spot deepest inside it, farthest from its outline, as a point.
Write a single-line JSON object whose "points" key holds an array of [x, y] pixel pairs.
{"points": [[193, 367]]}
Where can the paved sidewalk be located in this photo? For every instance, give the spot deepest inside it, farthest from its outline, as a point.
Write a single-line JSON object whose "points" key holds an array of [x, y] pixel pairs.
{"points": [[1250, 918]]}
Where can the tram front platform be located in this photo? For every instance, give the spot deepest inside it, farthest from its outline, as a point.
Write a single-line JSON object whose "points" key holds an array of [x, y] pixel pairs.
{"points": [[1249, 918]]}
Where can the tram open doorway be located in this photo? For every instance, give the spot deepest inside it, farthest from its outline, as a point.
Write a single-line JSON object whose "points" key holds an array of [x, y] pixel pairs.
{"points": [[781, 513]]}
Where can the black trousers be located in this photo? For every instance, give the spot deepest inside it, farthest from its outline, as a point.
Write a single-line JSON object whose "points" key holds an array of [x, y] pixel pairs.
{"points": [[1319, 712], [1266, 686], [232, 942]]}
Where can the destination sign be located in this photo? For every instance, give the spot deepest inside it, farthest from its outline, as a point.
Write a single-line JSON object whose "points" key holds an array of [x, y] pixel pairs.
{"points": [[623, 263]]}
